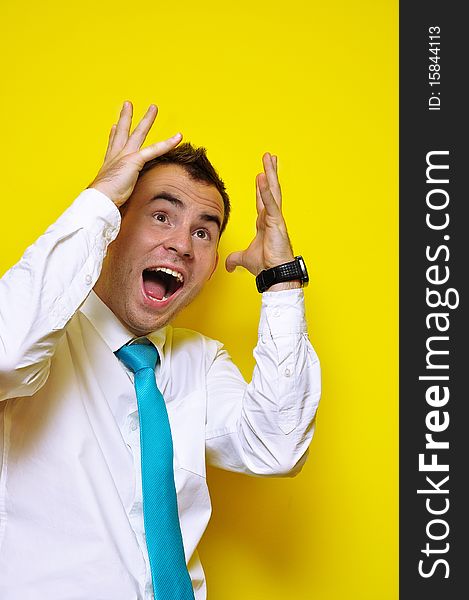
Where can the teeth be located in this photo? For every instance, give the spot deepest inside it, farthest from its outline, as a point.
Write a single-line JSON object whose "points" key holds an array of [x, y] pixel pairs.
{"points": [[178, 276], [157, 299]]}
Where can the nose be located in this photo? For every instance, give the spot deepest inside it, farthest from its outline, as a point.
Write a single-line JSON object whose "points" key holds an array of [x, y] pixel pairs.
{"points": [[180, 242]]}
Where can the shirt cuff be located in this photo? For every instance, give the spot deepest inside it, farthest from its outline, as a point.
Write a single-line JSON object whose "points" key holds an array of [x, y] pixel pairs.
{"points": [[89, 225], [282, 313], [94, 208]]}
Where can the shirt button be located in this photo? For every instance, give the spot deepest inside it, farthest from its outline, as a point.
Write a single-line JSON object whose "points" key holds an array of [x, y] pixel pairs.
{"points": [[276, 312], [88, 280], [108, 233], [133, 425], [287, 372]]}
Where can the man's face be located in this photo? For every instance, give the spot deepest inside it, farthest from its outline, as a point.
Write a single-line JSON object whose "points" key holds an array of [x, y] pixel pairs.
{"points": [[165, 251]]}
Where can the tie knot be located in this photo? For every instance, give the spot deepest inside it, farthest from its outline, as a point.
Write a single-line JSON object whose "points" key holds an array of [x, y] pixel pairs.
{"points": [[138, 356]]}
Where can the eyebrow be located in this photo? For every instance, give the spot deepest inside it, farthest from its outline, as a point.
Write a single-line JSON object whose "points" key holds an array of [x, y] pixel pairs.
{"points": [[175, 201]]}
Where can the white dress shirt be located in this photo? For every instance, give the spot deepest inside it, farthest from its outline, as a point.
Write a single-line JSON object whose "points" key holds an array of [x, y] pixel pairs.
{"points": [[71, 522]]}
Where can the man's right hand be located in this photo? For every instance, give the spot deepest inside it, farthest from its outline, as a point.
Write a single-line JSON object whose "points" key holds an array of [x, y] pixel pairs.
{"points": [[124, 156]]}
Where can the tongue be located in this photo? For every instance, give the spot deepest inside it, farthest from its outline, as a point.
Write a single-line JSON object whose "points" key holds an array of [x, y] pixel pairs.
{"points": [[156, 289]]}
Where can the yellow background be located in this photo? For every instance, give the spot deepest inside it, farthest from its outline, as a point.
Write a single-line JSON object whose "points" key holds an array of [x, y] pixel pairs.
{"points": [[316, 84]]}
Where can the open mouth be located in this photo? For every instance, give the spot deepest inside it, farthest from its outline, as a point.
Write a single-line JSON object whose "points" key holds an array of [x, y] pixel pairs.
{"points": [[160, 283]]}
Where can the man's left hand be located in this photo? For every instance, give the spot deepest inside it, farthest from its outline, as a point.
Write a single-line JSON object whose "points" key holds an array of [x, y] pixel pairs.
{"points": [[271, 246]]}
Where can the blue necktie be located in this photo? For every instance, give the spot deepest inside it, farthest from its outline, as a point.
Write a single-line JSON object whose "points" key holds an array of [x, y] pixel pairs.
{"points": [[171, 580]]}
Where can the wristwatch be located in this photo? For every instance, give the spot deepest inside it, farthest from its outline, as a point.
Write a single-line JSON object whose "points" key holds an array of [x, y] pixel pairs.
{"points": [[290, 271]]}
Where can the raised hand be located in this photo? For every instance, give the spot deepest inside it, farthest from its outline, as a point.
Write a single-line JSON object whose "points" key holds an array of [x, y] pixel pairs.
{"points": [[125, 156], [271, 245]]}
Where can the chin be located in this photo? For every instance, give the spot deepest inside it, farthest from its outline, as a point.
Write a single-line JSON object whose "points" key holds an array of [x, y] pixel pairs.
{"points": [[145, 315], [142, 322]]}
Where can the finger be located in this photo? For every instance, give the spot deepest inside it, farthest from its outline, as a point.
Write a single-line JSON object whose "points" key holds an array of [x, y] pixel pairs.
{"points": [[270, 170], [275, 161], [160, 147], [271, 206], [123, 126], [259, 203], [272, 178], [112, 133], [233, 260], [140, 132]]}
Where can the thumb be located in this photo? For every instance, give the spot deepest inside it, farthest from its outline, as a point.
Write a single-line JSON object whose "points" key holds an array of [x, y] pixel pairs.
{"points": [[233, 260]]}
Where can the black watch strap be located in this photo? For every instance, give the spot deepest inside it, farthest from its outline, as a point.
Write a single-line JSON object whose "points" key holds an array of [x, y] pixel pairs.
{"points": [[290, 271]]}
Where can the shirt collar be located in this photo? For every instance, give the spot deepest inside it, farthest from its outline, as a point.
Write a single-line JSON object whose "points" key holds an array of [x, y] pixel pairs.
{"points": [[112, 331]]}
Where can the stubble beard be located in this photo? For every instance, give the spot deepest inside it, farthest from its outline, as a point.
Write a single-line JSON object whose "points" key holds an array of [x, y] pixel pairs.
{"points": [[143, 325]]}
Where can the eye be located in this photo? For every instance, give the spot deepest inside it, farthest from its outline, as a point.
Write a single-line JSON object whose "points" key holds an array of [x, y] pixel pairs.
{"points": [[161, 217], [202, 234]]}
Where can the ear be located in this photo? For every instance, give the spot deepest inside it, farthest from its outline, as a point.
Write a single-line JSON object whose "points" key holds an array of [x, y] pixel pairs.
{"points": [[215, 265]]}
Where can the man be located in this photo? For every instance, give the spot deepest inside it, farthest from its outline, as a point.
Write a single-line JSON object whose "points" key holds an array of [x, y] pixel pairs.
{"points": [[90, 506]]}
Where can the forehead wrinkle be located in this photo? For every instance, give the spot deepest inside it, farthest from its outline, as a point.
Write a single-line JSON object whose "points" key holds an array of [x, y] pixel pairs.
{"points": [[169, 197], [179, 202], [179, 183]]}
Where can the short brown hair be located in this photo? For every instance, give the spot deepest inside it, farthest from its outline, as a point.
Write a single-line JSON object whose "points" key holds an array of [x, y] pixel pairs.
{"points": [[195, 162]]}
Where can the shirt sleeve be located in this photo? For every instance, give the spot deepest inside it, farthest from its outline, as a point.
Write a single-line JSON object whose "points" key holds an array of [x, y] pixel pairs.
{"points": [[40, 294], [265, 427]]}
